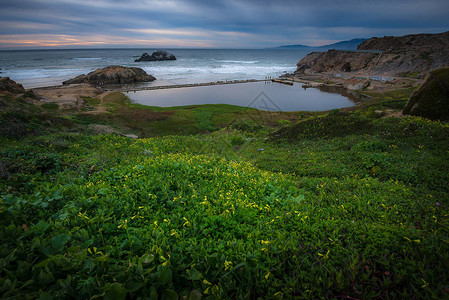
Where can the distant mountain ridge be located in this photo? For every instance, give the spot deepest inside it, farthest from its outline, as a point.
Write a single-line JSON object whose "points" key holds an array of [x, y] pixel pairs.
{"points": [[343, 45]]}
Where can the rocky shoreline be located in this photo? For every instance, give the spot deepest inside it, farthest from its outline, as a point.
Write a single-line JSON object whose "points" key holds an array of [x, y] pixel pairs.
{"points": [[355, 82], [384, 57], [380, 64]]}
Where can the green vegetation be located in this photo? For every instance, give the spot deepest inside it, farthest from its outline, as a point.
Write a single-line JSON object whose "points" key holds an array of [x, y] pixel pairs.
{"points": [[50, 106], [338, 204], [148, 121]]}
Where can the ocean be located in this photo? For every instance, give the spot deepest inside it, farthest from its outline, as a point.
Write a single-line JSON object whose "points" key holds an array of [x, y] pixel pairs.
{"points": [[38, 68]]}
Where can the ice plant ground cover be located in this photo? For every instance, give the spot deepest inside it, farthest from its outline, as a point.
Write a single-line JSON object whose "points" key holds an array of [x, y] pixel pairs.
{"points": [[322, 209]]}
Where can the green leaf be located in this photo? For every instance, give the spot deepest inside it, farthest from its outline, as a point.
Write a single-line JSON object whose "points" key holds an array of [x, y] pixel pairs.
{"points": [[195, 295], [115, 291], [45, 278], [169, 295], [41, 227], [299, 199], [45, 297], [164, 274], [252, 263], [147, 258], [136, 243], [134, 285], [153, 294], [193, 274], [10, 199], [58, 242], [103, 191]]}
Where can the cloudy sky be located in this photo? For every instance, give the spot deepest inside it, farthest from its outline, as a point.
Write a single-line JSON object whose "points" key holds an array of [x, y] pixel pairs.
{"points": [[211, 23]]}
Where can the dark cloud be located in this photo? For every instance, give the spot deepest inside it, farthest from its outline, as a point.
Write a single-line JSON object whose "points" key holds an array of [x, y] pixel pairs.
{"points": [[232, 23]]}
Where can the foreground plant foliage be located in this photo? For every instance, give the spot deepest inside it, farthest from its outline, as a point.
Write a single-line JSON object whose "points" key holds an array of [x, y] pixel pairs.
{"points": [[333, 212]]}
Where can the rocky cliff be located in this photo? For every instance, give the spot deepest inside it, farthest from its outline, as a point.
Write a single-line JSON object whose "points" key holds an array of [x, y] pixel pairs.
{"points": [[413, 42], [10, 86], [112, 75], [388, 56]]}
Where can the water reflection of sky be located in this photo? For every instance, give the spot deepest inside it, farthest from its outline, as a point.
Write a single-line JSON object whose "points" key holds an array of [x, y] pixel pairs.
{"points": [[260, 95]]}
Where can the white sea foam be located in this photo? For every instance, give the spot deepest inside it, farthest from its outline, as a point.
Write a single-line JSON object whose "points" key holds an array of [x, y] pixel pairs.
{"points": [[239, 61], [41, 73], [87, 58], [249, 71]]}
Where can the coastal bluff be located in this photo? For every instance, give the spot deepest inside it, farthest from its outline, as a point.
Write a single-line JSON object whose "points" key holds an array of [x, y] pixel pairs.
{"points": [[386, 56], [112, 75], [8, 86]]}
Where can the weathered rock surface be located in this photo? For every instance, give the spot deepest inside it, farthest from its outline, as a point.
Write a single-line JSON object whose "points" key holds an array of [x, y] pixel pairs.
{"points": [[334, 61], [156, 56], [412, 53], [431, 100], [10, 86], [112, 75], [412, 42]]}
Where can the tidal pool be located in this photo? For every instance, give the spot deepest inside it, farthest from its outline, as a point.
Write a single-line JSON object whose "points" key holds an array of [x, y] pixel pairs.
{"points": [[268, 96]]}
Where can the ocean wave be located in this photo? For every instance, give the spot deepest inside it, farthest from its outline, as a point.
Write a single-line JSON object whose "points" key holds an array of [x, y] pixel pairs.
{"points": [[87, 58], [240, 61], [214, 69], [43, 73]]}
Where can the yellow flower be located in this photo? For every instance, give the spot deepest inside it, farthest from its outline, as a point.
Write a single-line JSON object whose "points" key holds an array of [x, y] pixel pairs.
{"points": [[325, 255], [206, 282], [425, 283], [227, 264], [268, 275]]}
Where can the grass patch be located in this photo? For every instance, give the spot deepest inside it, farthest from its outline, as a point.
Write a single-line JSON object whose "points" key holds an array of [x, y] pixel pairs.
{"points": [[91, 101], [50, 106], [192, 119]]}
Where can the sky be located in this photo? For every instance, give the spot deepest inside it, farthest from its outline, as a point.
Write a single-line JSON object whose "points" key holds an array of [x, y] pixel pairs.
{"points": [[34, 24]]}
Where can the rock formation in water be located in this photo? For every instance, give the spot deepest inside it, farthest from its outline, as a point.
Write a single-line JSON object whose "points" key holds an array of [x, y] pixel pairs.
{"points": [[113, 75], [393, 56], [156, 56], [431, 100]]}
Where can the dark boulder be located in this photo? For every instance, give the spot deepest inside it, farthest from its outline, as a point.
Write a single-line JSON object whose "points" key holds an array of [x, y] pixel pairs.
{"points": [[431, 100], [113, 75], [156, 56]]}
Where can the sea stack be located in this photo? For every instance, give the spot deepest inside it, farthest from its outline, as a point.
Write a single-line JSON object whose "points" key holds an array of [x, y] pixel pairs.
{"points": [[156, 56]]}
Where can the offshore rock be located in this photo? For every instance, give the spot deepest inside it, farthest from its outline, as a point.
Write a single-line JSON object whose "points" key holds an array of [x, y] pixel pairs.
{"points": [[113, 75], [156, 56]]}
